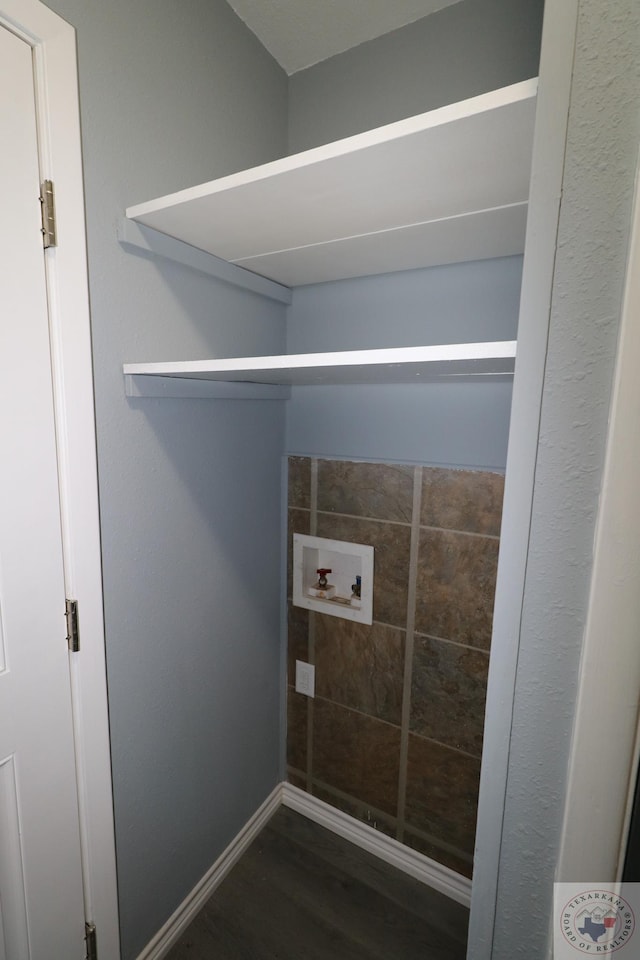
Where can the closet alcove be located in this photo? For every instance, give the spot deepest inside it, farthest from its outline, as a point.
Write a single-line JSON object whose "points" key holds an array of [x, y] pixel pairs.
{"points": [[448, 187], [465, 203]]}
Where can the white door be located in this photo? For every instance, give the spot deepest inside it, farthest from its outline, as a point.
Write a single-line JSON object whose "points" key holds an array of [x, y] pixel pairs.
{"points": [[41, 899]]}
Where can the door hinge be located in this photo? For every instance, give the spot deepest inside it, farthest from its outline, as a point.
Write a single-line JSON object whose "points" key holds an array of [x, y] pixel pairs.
{"points": [[73, 630], [91, 941], [47, 203]]}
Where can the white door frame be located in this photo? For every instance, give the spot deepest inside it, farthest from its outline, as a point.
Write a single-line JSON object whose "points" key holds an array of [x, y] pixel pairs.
{"points": [[552, 115], [54, 45], [606, 719]]}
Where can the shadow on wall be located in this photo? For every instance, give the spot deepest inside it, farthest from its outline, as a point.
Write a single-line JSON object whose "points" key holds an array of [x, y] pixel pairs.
{"points": [[394, 734]]}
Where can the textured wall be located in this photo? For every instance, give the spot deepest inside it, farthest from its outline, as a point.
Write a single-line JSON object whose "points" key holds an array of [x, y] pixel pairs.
{"points": [[172, 94], [459, 52], [394, 733], [600, 167], [461, 424]]}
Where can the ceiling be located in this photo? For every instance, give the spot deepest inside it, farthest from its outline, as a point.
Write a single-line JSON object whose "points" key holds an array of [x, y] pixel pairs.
{"points": [[299, 33]]}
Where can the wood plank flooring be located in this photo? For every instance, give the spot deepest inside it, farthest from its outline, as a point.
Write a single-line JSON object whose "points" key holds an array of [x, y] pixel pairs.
{"points": [[302, 893]]}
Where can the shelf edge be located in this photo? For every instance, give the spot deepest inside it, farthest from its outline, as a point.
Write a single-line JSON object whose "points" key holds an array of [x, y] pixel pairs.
{"points": [[501, 97], [380, 356]]}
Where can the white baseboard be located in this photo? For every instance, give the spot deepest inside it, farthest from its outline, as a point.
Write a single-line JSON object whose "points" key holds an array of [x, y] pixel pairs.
{"points": [[182, 917], [416, 864], [422, 868]]}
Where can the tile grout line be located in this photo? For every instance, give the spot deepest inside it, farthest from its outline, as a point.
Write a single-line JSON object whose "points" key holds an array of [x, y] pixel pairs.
{"points": [[311, 640], [364, 517], [404, 523], [461, 533], [449, 746], [454, 643], [395, 726], [408, 649], [360, 713], [360, 805], [313, 498]]}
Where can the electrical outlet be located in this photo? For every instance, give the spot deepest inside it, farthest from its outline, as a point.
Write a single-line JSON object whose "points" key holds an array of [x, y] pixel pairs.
{"points": [[305, 678]]}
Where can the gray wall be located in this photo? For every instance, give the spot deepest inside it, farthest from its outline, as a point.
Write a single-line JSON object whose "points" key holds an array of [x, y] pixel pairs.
{"points": [[600, 167], [173, 94], [457, 424], [459, 52]]}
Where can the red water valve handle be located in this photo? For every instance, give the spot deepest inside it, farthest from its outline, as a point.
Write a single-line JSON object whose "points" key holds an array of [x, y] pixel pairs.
{"points": [[322, 577]]}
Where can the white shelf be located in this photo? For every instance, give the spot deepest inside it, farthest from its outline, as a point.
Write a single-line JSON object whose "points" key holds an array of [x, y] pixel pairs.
{"points": [[446, 186], [265, 376]]}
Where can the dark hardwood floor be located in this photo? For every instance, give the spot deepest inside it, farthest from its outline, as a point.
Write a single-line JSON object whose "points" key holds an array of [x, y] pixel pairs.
{"points": [[302, 893]]}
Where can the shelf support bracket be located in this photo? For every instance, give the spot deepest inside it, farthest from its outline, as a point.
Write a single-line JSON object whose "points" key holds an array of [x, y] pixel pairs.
{"points": [[139, 385], [150, 241]]}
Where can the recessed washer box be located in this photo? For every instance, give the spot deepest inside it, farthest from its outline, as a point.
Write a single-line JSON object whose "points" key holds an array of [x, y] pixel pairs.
{"points": [[347, 562]]}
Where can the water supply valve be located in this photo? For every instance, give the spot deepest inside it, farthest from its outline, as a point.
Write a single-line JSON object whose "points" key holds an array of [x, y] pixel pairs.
{"points": [[356, 593], [323, 590]]}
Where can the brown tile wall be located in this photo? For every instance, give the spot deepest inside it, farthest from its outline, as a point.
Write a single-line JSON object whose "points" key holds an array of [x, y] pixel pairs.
{"points": [[394, 733]]}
